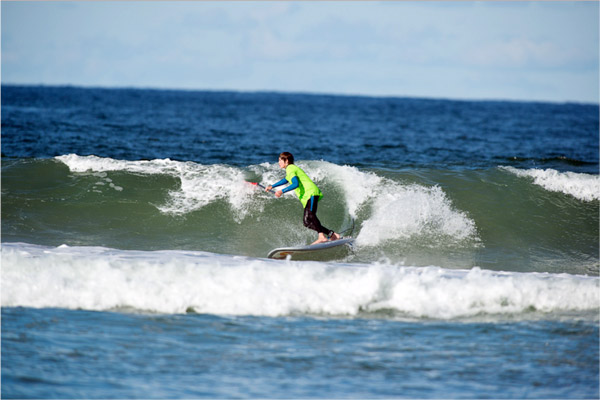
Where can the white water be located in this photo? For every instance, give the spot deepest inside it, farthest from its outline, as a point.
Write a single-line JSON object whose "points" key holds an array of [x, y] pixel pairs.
{"points": [[200, 184], [581, 186], [95, 278]]}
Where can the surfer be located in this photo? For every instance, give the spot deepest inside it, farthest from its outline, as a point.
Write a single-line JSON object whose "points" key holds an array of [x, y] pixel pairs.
{"points": [[308, 193]]}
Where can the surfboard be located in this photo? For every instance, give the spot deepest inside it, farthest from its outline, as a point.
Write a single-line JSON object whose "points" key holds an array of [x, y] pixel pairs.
{"points": [[334, 248]]}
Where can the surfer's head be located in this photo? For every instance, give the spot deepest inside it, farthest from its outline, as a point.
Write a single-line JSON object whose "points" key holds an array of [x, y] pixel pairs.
{"points": [[287, 158]]}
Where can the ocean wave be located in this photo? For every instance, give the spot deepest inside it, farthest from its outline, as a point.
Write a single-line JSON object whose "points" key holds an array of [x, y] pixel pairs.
{"points": [[97, 278], [396, 210], [581, 186], [454, 219]]}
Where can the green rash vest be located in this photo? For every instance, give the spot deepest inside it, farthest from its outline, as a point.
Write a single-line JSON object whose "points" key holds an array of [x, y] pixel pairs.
{"points": [[306, 188]]}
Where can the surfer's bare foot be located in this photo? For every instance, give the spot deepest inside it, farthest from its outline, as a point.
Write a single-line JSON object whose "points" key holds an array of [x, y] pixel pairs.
{"points": [[322, 239]]}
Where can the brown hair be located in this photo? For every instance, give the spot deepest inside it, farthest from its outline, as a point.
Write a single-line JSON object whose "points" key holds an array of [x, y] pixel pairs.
{"points": [[285, 156]]}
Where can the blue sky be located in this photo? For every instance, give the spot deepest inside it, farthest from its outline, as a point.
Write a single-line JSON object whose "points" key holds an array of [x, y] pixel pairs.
{"points": [[462, 50]]}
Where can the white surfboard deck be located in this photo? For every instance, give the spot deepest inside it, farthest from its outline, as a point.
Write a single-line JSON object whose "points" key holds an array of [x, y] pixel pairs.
{"points": [[306, 252]]}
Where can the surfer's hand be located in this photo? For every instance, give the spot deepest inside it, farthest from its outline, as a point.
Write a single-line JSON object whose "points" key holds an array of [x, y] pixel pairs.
{"points": [[278, 193], [268, 188]]}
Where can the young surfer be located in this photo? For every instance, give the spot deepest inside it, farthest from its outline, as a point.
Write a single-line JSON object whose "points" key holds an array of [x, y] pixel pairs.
{"points": [[308, 193]]}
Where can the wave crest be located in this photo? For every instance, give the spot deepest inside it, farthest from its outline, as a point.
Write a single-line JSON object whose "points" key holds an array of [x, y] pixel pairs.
{"points": [[581, 186]]}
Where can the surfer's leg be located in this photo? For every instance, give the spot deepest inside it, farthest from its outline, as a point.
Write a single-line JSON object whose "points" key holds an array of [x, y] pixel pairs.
{"points": [[312, 222], [310, 217]]}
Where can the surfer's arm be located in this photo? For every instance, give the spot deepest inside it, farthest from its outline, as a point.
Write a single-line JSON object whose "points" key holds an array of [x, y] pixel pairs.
{"points": [[295, 183], [281, 182]]}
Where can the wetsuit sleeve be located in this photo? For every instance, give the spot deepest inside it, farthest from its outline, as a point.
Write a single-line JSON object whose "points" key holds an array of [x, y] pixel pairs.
{"points": [[294, 185], [281, 182]]}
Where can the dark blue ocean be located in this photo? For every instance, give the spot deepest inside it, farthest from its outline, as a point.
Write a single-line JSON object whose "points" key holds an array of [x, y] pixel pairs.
{"points": [[134, 250]]}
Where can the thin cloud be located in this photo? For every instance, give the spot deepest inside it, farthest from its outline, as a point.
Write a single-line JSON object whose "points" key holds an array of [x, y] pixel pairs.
{"points": [[525, 51]]}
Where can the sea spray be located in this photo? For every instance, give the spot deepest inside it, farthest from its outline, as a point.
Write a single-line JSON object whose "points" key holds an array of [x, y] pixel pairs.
{"points": [[406, 211]]}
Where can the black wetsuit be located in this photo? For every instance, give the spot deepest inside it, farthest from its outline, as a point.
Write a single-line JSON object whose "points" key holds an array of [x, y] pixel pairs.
{"points": [[310, 211]]}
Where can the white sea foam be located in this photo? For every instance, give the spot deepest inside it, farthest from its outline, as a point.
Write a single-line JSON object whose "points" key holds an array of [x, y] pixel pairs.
{"points": [[581, 186], [200, 184], [95, 278]]}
